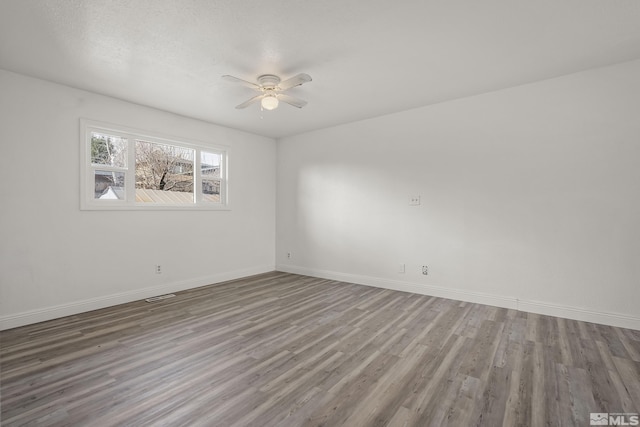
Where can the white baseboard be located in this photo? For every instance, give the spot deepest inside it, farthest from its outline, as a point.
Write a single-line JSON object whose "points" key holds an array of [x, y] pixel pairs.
{"points": [[575, 313], [49, 313], [537, 307], [568, 312]]}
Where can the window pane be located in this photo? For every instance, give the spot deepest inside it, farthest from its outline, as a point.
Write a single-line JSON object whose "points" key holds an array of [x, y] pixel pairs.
{"points": [[211, 190], [210, 164], [108, 185], [164, 173], [108, 150]]}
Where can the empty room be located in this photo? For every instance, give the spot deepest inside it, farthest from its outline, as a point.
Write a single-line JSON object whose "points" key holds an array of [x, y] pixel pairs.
{"points": [[328, 213]]}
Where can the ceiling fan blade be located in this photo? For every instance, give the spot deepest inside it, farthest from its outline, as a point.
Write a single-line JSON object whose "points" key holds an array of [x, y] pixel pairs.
{"points": [[294, 81], [245, 104], [232, 79], [296, 102]]}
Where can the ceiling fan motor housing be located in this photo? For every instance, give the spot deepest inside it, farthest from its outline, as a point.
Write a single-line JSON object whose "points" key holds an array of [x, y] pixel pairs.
{"points": [[268, 81]]}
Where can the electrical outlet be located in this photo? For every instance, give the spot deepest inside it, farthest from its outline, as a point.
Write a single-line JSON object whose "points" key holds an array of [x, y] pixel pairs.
{"points": [[158, 269], [414, 200], [401, 268], [425, 270], [289, 255]]}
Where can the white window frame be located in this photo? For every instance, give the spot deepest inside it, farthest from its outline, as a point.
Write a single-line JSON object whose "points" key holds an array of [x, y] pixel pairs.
{"points": [[87, 170]]}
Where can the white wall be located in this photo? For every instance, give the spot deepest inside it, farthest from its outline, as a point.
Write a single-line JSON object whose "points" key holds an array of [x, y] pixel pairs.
{"points": [[57, 260], [530, 198]]}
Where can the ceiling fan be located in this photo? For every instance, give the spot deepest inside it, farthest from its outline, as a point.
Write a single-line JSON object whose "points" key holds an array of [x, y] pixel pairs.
{"points": [[272, 89]]}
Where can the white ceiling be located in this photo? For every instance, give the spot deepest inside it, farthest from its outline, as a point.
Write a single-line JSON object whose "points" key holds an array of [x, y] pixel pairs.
{"points": [[366, 57]]}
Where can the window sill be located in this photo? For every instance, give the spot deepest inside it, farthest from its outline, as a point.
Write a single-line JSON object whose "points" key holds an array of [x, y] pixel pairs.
{"points": [[140, 207]]}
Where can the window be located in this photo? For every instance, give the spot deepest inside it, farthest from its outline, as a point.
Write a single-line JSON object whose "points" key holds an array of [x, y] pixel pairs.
{"points": [[128, 169]]}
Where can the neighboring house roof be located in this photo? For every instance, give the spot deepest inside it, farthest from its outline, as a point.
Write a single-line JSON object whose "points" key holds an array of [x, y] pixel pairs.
{"points": [[112, 193], [105, 176], [165, 197], [154, 196]]}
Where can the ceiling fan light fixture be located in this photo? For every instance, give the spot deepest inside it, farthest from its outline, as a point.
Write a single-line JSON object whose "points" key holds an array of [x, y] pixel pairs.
{"points": [[272, 90], [269, 102]]}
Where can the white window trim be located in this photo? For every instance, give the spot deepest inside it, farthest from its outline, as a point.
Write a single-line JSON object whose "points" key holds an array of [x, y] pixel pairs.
{"points": [[87, 186]]}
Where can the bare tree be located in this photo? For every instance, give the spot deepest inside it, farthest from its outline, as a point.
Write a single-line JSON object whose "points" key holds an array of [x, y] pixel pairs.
{"points": [[109, 151], [164, 167]]}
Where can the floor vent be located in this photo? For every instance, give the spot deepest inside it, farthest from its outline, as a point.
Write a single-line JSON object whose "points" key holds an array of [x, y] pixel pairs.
{"points": [[158, 298]]}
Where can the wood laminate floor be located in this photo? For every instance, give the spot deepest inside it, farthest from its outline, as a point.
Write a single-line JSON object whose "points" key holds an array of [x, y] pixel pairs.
{"points": [[286, 350]]}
